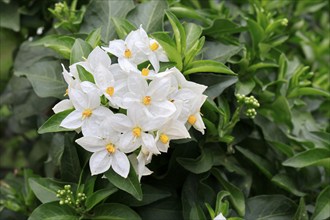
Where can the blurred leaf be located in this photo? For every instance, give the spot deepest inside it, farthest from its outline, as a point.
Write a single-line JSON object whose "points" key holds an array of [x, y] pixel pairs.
{"points": [[193, 33], [123, 27], [270, 207], [98, 196], [59, 43], [45, 189], [236, 195], [179, 32], [84, 75], [322, 206], [9, 16], [312, 157], [284, 181], [53, 123], [211, 66], [94, 38], [220, 52], [80, 51], [301, 213], [222, 26], [149, 14], [131, 184], [53, 210], [199, 165], [307, 91], [99, 14], [114, 211]]}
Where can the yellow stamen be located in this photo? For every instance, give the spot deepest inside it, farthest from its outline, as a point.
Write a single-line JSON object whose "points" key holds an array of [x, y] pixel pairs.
{"points": [[66, 92], [111, 148], [145, 71], [128, 53], [136, 132], [110, 90], [86, 113], [164, 138], [192, 119], [146, 100], [154, 46]]}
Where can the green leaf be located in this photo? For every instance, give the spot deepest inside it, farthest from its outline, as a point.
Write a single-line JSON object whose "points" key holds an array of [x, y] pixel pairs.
{"points": [[193, 33], [207, 66], [94, 38], [270, 207], [307, 91], [322, 205], [168, 45], [149, 14], [263, 165], [312, 157], [59, 43], [113, 211], [84, 75], [131, 184], [219, 204], [80, 51], [301, 213], [201, 164], [256, 31], [98, 196], [193, 51], [284, 181], [220, 52], [184, 12], [10, 16], [179, 32], [70, 166], [123, 27], [236, 196], [53, 123], [99, 14], [45, 189], [52, 211], [245, 87], [222, 26], [261, 65]]}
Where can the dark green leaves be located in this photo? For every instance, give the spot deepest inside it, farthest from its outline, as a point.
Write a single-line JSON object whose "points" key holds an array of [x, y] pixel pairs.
{"points": [[322, 206], [44, 189], [179, 32], [114, 211], [53, 210], [98, 196], [130, 184]]}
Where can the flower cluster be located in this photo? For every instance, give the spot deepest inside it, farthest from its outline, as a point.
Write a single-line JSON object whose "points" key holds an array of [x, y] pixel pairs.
{"points": [[130, 110], [66, 197]]}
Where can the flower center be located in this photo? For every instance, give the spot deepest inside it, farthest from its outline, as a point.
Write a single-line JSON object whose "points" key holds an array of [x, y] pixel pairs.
{"points": [[145, 71], [164, 138], [86, 113], [154, 46], [146, 100], [192, 119], [110, 90], [136, 132], [66, 92], [111, 148], [128, 53]]}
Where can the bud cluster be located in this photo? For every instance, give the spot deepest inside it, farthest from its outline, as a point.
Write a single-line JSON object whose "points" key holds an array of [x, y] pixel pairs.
{"points": [[251, 104], [66, 197]]}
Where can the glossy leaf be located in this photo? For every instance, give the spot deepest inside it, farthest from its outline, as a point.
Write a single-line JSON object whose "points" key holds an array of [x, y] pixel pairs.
{"points": [[98, 196], [113, 211], [322, 206], [94, 38], [54, 210], [123, 27], [80, 51], [207, 66], [179, 32], [53, 123], [44, 189]]}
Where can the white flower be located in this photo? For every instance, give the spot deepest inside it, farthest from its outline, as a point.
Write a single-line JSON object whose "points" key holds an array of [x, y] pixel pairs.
{"points": [[112, 90], [96, 58], [219, 217], [134, 128], [151, 48], [106, 152], [139, 165], [194, 117], [88, 113], [152, 98], [126, 51], [172, 130]]}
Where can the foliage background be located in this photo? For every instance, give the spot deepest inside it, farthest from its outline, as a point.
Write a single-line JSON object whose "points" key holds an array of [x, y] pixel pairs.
{"points": [[275, 166]]}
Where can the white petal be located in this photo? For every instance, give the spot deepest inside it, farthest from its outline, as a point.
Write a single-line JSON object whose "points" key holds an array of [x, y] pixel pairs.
{"points": [[102, 112], [120, 122], [128, 143], [176, 130], [79, 99], [92, 144], [199, 124], [73, 120], [91, 127], [154, 61], [148, 141], [120, 164], [126, 64], [98, 57], [116, 47], [162, 109], [159, 88], [100, 162], [219, 217], [63, 105], [137, 85]]}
